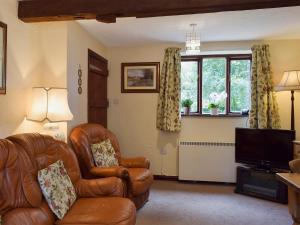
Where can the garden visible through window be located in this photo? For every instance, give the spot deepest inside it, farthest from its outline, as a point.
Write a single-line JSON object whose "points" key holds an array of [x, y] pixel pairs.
{"points": [[216, 84]]}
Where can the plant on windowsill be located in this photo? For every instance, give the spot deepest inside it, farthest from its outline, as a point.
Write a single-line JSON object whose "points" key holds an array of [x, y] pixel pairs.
{"points": [[186, 104], [215, 102], [214, 108]]}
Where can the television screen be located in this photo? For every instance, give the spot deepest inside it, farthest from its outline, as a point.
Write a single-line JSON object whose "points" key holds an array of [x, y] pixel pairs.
{"points": [[264, 147]]}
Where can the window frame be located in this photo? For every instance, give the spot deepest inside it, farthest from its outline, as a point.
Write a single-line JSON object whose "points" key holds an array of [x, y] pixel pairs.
{"points": [[229, 58]]}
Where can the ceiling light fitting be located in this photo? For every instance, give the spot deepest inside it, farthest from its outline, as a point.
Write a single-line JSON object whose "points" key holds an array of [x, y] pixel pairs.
{"points": [[193, 43]]}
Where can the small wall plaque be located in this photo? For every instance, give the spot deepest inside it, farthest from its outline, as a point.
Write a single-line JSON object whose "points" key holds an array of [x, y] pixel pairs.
{"points": [[79, 80]]}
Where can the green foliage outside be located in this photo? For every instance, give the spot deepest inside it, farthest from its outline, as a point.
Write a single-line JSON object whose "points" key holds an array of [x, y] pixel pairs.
{"points": [[240, 85], [214, 81], [189, 83]]}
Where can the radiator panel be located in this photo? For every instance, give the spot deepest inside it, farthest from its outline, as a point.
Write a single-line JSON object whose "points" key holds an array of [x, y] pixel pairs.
{"points": [[207, 161]]}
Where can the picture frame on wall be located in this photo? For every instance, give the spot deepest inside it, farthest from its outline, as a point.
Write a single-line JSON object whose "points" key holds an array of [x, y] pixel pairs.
{"points": [[3, 48], [140, 77]]}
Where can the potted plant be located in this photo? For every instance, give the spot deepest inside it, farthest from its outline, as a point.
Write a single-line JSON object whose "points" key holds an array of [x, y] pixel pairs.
{"points": [[215, 100], [214, 108], [186, 104]]}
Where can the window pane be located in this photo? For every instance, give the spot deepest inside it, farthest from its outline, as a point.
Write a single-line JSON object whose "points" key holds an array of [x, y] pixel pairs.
{"points": [[239, 85], [189, 83], [214, 84]]}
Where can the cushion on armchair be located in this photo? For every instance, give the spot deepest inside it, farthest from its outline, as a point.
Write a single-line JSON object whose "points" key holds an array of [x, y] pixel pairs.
{"points": [[104, 154], [57, 188]]}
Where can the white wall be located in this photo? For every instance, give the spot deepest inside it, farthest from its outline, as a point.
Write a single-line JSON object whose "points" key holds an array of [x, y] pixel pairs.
{"points": [[133, 116], [23, 71]]}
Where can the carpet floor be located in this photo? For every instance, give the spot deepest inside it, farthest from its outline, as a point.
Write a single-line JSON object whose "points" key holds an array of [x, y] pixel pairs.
{"points": [[174, 203]]}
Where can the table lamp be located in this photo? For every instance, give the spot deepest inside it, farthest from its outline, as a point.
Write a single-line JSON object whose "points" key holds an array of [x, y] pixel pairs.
{"points": [[50, 104], [290, 82]]}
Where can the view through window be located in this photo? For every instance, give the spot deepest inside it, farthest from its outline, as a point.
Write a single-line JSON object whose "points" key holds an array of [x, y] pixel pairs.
{"points": [[220, 80]]}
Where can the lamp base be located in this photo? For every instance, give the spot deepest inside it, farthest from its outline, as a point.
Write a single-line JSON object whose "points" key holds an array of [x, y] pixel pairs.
{"points": [[52, 129]]}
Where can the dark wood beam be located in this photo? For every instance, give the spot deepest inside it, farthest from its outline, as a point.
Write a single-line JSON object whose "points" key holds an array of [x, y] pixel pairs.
{"points": [[108, 10]]}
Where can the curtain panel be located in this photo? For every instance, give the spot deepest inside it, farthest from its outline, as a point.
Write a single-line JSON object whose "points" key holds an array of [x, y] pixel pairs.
{"points": [[264, 109], [168, 109]]}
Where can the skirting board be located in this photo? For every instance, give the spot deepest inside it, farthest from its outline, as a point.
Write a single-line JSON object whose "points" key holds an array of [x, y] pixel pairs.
{"points": [[175, 178], [207, 182], [163, 177]]}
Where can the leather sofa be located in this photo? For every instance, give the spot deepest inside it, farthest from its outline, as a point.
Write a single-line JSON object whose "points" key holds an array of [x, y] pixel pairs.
{"points": [[99, 201], [134, 172]]}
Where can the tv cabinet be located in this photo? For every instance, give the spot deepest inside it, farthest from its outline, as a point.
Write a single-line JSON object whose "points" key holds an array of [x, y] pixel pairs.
{"points": [[260, 183]]}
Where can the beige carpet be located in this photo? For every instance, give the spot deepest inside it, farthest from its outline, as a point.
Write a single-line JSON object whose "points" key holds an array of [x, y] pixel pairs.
{"points": [[173, 203]]}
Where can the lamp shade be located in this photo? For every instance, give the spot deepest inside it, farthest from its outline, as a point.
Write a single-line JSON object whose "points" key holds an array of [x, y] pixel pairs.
{"points": [[49, 104], [290, 81]]}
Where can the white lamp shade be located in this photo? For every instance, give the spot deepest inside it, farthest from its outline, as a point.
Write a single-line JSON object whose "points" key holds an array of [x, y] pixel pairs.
{"points": [[58, 106], [290, 81], [38, 107], [49, 104]]}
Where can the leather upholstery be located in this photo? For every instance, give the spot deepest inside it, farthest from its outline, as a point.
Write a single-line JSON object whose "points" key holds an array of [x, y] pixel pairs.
{"points": [[99, 187], [134, 172], [138, 162], [92, 214], [18, 188], [21, 201], [140, 180], [115, 171]]}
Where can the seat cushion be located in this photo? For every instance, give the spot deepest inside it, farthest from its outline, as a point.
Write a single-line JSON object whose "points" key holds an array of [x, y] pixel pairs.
{"points": [[140, 180], [101, 211]]}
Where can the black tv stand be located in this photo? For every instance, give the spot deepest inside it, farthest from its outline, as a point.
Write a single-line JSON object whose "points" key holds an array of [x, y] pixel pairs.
{"points": [[261, 183]]}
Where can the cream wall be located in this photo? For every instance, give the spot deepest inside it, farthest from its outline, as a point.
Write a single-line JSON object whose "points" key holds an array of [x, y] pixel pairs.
{"points": [[42, 54], [79, 41], [23, 71], [53, 46], [285, 56], [133, 116]]}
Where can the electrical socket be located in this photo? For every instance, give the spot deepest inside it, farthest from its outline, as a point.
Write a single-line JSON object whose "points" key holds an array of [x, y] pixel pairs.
{"points": [[163, 151], [115, 101]]}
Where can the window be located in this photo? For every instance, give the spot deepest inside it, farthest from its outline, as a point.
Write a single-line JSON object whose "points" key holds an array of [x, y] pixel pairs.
{"points": [[224, 80]]}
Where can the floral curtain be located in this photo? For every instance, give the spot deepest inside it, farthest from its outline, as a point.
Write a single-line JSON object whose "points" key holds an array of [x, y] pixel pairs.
{"points": [[168, 109], [264, 108]]}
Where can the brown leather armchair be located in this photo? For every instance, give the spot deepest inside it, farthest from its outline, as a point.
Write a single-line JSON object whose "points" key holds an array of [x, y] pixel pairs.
{"points": [[98, 201], [134, 172]]}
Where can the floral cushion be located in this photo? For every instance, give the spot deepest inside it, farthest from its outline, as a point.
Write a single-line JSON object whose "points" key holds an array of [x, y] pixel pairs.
{"points": [[104, 154], [57, 188]]}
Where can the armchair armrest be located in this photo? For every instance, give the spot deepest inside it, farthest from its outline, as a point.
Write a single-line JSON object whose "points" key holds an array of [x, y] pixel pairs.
{"points": [[111, 186], [115, 171], [295, 165], [138, 162]]}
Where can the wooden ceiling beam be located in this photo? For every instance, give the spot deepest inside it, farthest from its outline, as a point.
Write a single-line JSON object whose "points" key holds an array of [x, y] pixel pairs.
{"points": [[108, 10]]}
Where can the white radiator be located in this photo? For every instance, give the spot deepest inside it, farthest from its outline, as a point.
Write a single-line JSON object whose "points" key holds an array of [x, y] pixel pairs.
{"points": [[207, 161]]}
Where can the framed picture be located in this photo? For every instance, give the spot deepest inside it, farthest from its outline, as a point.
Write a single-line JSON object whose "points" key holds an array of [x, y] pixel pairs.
{"points": [[3, 42], [140, 77]]}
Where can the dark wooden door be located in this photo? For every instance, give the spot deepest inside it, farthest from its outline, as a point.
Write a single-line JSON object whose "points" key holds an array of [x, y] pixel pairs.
{"points": [[97, 89]]}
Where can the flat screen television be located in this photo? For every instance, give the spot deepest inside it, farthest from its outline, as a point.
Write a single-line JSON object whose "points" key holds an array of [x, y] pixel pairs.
{"points": [[270, 148]]}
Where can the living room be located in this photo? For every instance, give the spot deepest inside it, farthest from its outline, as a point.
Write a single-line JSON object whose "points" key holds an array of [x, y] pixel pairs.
{"points": [[51, 54]]}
